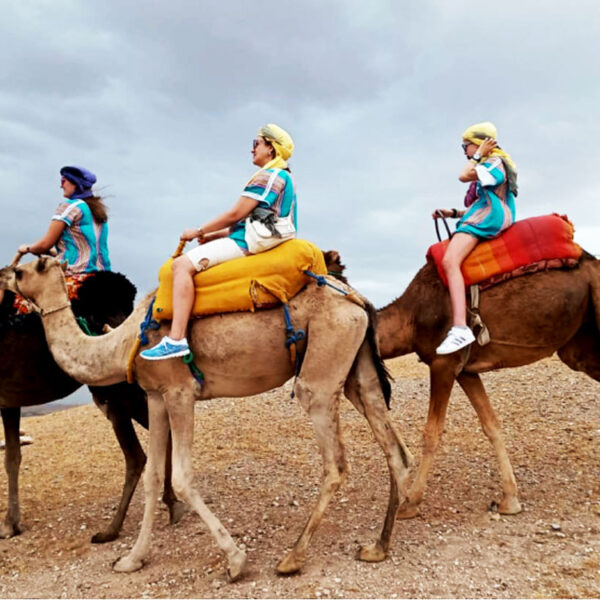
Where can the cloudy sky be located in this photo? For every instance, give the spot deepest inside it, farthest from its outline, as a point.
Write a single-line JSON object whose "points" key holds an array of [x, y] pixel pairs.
{"points": [[162, 100]]}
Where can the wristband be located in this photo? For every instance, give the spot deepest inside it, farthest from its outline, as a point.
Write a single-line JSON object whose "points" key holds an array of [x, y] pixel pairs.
{"points": [[454, 213], [200, 235], [476, 157]]}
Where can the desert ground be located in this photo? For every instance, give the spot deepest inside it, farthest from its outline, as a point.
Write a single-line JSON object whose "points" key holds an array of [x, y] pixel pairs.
{"points": [[258, 467]]}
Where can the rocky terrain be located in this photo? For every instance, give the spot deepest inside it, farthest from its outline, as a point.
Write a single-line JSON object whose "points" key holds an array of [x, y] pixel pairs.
{"points": [[258, 466]]}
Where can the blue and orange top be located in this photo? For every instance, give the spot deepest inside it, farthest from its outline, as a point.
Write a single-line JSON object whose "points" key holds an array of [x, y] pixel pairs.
{"points": [[274, 189], [84, 242]]}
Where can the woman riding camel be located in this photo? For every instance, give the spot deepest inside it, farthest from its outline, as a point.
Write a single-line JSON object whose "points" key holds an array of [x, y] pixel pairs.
{"points": [[490, 202], [79, 228], [223, 238]]}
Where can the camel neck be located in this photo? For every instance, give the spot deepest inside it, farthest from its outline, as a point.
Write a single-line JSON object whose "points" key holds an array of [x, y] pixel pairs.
{"points": [[91, 360], [395, 329]]}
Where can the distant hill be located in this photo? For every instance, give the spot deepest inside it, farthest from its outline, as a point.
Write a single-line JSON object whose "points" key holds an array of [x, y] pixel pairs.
{"points": [[44, 409]]}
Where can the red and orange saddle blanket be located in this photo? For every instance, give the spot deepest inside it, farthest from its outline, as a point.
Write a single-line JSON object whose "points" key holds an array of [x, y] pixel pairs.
{"points": [[24, 306], [245, 284], [528, 246]]}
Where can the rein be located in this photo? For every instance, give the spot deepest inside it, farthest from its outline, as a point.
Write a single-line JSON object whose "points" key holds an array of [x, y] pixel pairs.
{"points": [[437, 229], [43, 311]]}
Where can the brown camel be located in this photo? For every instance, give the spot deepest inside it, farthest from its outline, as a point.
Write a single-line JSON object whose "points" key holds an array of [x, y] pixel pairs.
{"points": [[241, 354], [529, 318], [29, 376]]}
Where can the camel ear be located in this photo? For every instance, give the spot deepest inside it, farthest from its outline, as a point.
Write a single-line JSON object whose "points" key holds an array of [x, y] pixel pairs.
{"points": [[41, 264], [64, 265]]}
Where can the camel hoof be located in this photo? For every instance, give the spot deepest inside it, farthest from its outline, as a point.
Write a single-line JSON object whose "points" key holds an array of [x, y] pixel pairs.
{"points": [[371, 553], [236, 566], [510, 506], [290, 564], [105, 536], [408, 511], [8, 531], [127, 565], [176, 512]]}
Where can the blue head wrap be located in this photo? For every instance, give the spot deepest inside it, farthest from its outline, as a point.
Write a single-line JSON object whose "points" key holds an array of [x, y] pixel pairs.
{"points": [[82, 179]]}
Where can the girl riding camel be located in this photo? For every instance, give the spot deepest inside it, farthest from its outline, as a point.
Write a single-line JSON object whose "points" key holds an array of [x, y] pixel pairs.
{"points": [[79, 228], [490, 202], [223, 238]]}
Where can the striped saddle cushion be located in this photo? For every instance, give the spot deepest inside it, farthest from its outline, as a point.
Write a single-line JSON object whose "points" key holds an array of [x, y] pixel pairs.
{"points": [[530, 245]]}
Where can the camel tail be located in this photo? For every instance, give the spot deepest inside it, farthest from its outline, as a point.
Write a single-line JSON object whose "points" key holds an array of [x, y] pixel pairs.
{"points": [[382, 371]]}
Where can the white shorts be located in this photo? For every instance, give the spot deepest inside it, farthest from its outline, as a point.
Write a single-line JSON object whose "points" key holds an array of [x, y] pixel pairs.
{"points": [[216, 252]]}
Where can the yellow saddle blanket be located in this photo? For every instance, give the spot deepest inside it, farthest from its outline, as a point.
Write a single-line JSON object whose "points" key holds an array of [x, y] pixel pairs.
{"points": [[245, 284]]}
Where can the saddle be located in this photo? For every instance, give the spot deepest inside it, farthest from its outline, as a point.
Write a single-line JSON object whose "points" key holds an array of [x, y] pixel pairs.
{"points": [[530, 245], [249, 283]]}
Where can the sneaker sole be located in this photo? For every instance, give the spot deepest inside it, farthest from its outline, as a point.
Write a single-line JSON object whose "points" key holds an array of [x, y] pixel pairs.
{"points": [[444, 352], [173, 355]]}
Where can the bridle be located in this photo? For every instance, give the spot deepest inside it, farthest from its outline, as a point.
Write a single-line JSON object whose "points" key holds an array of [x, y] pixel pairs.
{"points": [[44, 312]]}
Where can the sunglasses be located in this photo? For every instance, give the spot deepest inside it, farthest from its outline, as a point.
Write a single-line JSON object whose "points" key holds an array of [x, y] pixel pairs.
{"points": [[257, 141], [465, 145]]}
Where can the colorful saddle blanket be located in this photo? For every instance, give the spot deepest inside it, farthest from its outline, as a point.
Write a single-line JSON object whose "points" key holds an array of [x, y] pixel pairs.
{"points": [[530, 245], [247, 283]]}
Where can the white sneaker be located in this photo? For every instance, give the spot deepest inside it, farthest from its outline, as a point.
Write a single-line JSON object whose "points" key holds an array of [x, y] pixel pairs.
{"points": [[457, 338]]}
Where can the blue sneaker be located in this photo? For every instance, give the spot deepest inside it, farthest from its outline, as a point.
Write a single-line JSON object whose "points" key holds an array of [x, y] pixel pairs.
{"points": [[167, 348]]}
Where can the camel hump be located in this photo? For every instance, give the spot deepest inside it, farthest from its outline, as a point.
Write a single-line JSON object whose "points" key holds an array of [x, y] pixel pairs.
{"points": [[104, 298]]}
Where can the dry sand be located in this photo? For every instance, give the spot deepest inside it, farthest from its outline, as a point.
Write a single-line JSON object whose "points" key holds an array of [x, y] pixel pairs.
{"points": [[257, 464]]}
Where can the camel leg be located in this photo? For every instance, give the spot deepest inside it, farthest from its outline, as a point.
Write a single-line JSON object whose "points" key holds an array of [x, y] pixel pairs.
{"points": [[135, 459], [11, 418], [473, 387], [180, 406], [139, 411], [364, 391], [121, 403], [153, 479], [175, 506], [322, 405], [442, 378], [582, 352]]}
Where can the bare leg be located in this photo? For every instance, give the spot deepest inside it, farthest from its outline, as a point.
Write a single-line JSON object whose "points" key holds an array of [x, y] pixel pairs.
{"points": [[458, 249], [153, 479], [11, 418], [183, 295], [180, 405], [472, 385], [441, 375]]}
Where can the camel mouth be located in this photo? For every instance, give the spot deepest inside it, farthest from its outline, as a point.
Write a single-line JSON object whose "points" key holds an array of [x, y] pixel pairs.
{"points": [[8, 280]]}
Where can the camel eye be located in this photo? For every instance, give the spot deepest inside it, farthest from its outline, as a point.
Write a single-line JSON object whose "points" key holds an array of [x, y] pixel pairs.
{"points": [[18, 274]]}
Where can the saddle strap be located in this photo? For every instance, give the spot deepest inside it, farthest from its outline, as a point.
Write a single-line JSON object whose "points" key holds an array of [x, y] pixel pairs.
{"points": [[483, 337]]}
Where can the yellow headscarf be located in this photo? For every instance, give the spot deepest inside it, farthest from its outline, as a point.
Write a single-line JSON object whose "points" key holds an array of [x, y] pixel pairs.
{"points": [[282, 143], [479, 132]]}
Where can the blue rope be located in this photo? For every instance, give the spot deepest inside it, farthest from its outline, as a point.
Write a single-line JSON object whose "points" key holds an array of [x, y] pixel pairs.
{"points": [[188, 359], [148, 323], [321, 281], [293, 336]]}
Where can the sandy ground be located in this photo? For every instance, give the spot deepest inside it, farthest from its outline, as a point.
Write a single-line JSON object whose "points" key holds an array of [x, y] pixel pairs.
{"points": [[258, 466]]}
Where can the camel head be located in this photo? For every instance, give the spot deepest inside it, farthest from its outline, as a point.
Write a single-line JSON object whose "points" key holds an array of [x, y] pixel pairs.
{"points": [[334, 264], [40, 281]]}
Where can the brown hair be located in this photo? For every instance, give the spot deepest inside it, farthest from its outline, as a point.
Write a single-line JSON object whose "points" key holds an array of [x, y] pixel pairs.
{"points": [[98, 208]]}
